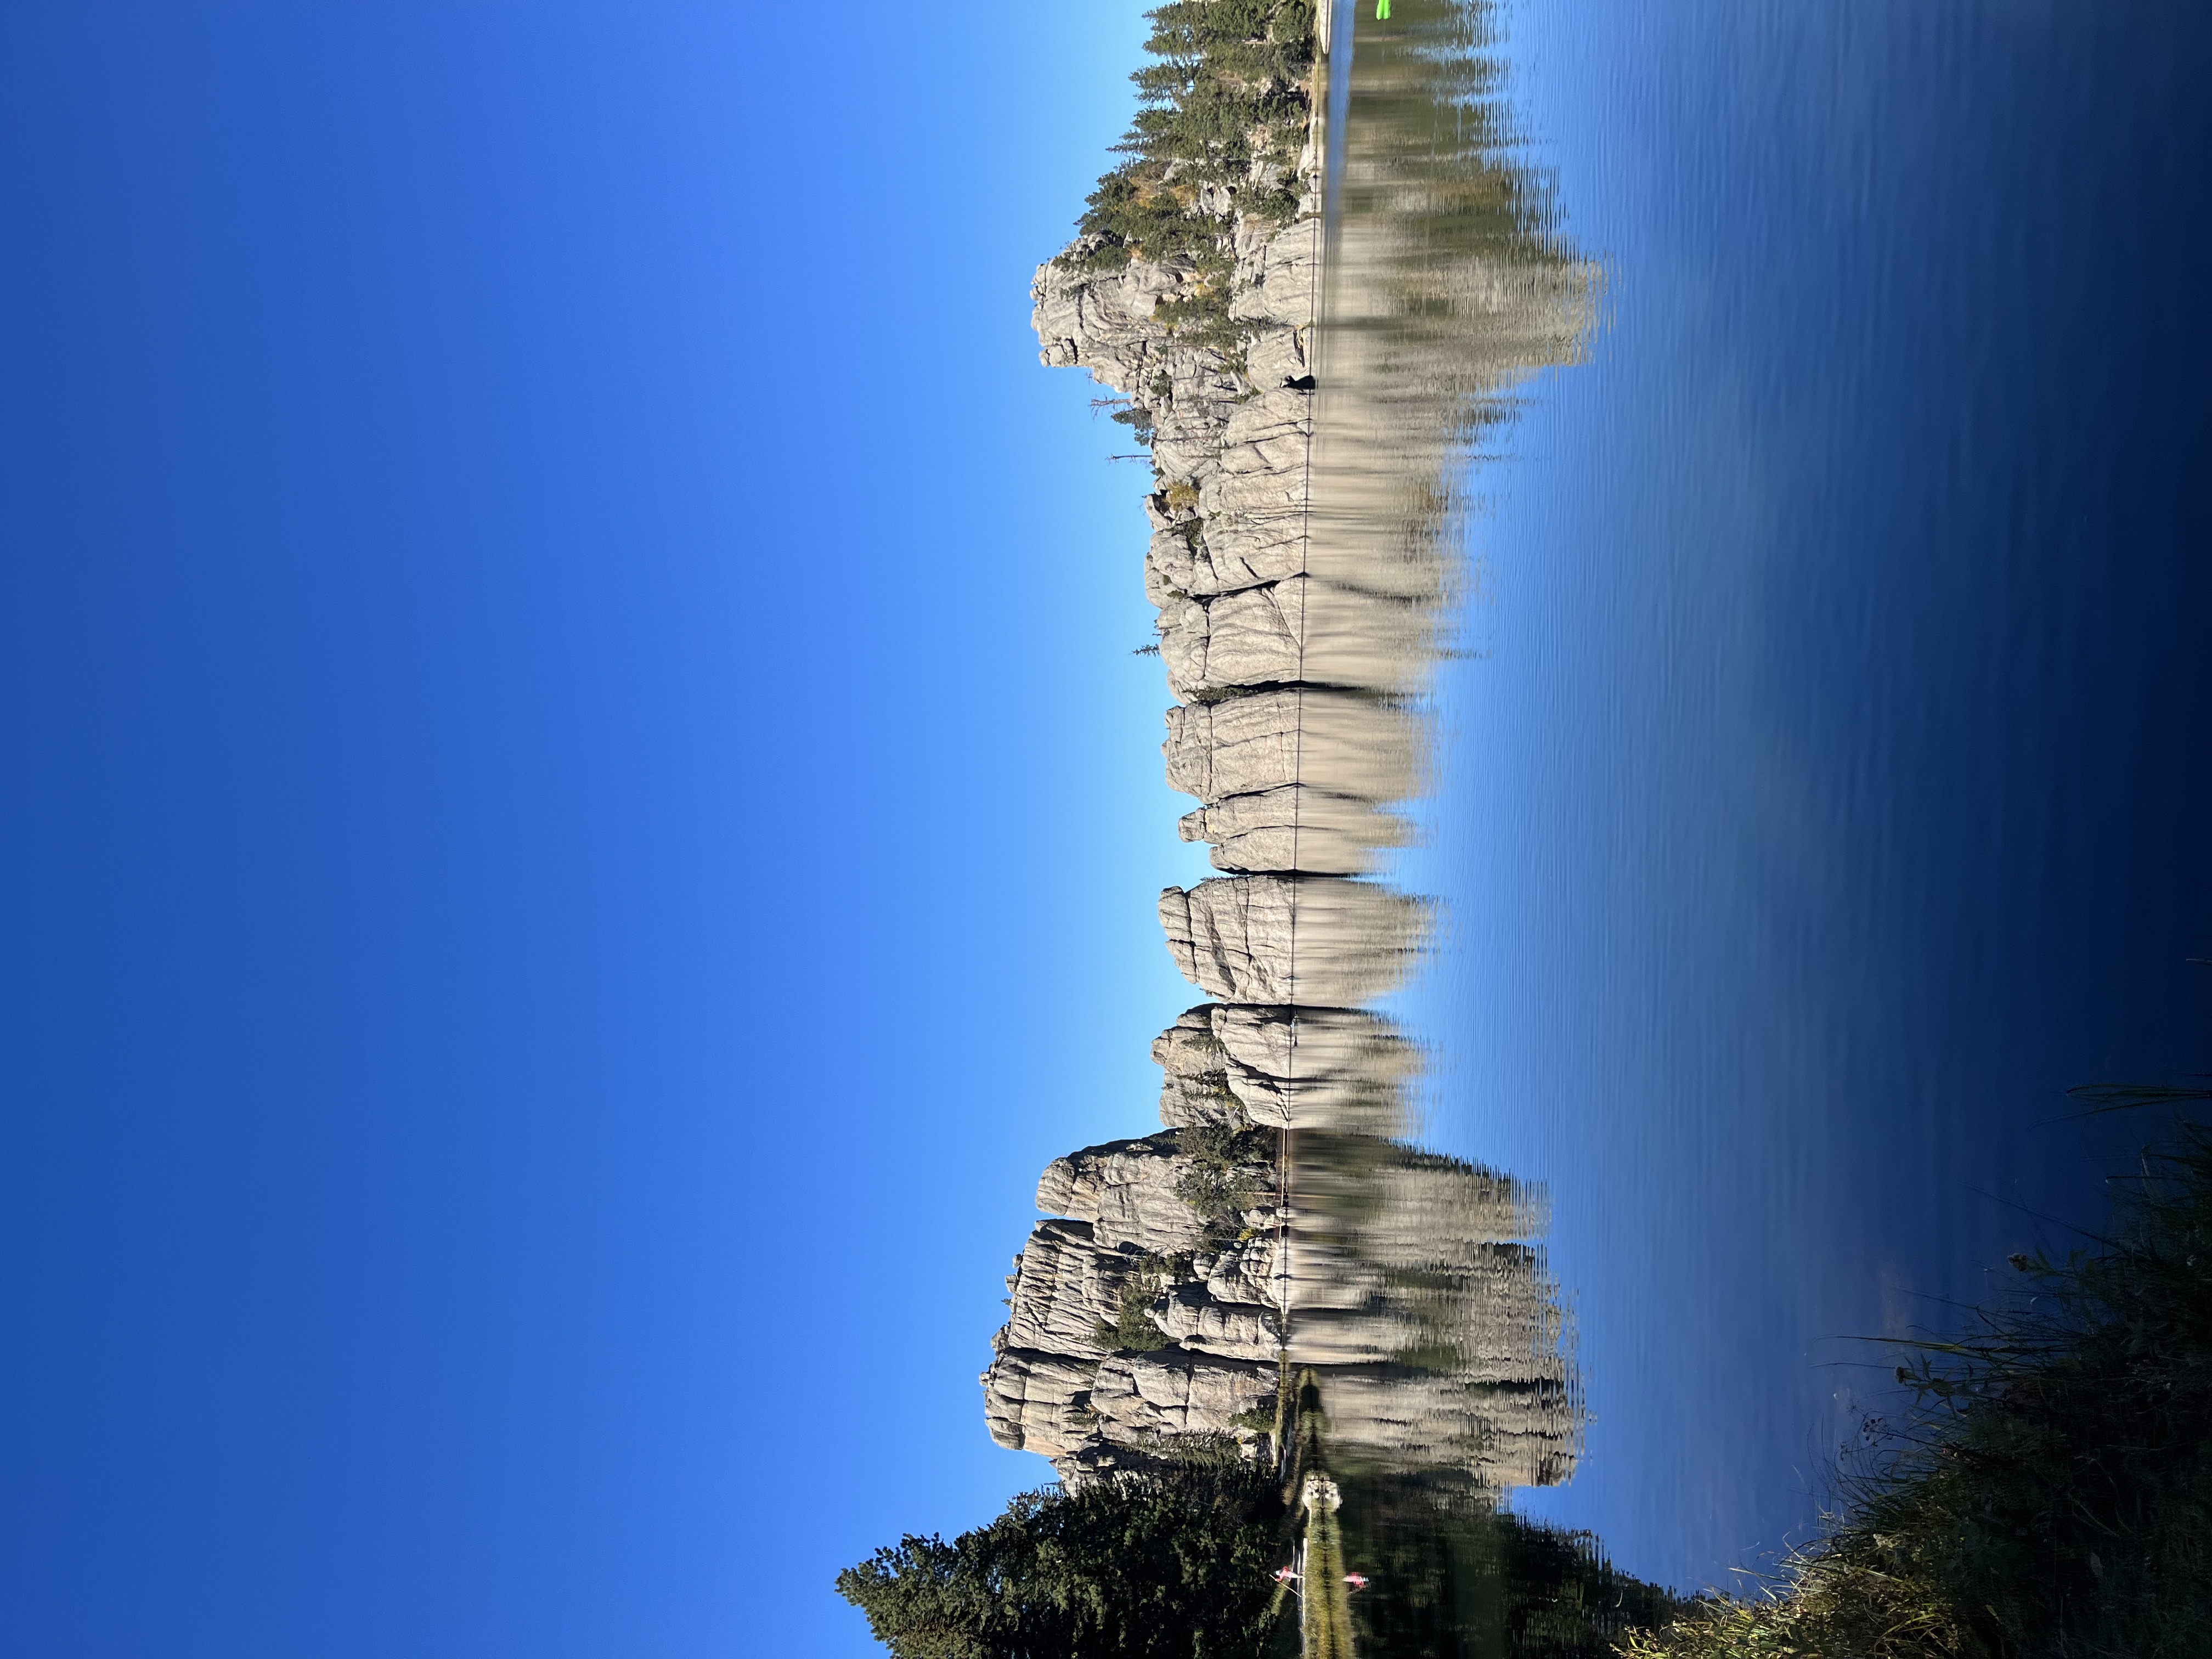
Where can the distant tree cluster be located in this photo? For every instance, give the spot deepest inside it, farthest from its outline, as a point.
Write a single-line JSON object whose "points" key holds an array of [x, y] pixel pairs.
{"points": [[1229, 86]]}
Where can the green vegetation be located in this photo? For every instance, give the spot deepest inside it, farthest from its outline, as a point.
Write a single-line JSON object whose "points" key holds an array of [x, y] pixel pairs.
{"points": [[1228, 89], [1133, 1330], [1226, 1165], [1180, 1563], [1176, 1565], [2052, 1492], [1467, 1580], [1221, 117]]}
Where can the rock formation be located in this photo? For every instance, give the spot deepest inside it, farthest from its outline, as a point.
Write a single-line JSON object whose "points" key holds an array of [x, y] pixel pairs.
{"points": [[1341, 1069], [1345, 743], [1406, 1282], [1306, 446], [1291, 940]]}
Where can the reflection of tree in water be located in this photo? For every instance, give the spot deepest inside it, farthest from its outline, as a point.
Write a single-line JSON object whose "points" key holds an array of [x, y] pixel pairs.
{"points": [[1444, 1570]]}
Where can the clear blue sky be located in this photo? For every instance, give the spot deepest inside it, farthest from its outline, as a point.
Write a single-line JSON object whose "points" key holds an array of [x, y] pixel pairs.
{"points": [[579, 820]]}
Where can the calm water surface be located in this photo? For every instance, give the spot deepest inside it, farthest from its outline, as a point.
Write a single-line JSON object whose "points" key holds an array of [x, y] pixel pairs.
{"points": [[1826, 780]]}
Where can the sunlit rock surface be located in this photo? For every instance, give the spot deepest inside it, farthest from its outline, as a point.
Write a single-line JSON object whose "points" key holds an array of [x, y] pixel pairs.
{"points": [[1407, 1282], [1128, 1190], [1293, 940], [1343, 1069], [1294, 828], [1348, 743], [1301, 556], [1060, 1293]]}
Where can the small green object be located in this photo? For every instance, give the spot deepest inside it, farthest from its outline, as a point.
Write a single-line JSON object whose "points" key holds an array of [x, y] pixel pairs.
{"points": [[1382, 10]]}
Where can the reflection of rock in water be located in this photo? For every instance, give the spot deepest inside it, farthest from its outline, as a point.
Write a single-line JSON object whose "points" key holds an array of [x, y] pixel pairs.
{"points": [[1300, 560], [1418, 1296]]}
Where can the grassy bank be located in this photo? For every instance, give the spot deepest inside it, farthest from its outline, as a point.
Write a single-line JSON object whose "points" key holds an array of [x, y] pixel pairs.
{"points": [[2050, 1493]]}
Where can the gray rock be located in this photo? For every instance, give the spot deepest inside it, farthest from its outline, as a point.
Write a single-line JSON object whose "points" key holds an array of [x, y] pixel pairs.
{"points": [[1341, 1069], [1343, 741], [1242, 1272], [1300, 630], [1295, 828], [1234, 1330], [1126, 1190], [1145, 1397], [1059, 1294], [1303, 550], [1308, 939], [1040, 1402]]}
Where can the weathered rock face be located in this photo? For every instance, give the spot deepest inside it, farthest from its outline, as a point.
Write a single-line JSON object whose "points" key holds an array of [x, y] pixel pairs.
{"points": [[1294, 828], [1302, 940], [1128, 1229], [1407, 1281], [1060, 1293], [1197, 1321], [1302, 629], [1427, 1315], [1212, 415], [1344, 741], [1341, 1069], [1128, 1191], [1040, 1402], [1142, 1398]]}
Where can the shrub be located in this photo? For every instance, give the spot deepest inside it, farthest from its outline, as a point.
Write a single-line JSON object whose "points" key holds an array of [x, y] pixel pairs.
{"points": [[1133, 1330], [1227, 1162]]}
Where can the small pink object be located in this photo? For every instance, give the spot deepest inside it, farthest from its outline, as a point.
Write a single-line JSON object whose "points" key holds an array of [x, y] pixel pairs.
{"points": [[1358, 1581]]}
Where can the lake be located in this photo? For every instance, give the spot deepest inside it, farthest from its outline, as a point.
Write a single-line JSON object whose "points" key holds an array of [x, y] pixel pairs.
{"points": [[1824, 792]]}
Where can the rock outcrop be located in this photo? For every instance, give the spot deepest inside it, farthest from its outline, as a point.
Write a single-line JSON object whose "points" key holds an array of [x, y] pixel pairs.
{"points": [[1405, 1281], [1132, 1195], [1346, 743], [1339, 1069], [1293, 940], [1306, 453], [1294, 828]]}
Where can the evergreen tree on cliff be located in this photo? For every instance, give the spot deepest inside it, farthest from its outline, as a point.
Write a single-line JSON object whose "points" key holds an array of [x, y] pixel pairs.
{"points": [[1228, 89], [1124, 1569]]}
